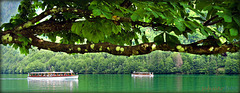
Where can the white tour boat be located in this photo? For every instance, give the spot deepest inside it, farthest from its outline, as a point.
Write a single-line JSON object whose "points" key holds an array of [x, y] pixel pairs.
{"points": [[142, 74], [52, 76]]}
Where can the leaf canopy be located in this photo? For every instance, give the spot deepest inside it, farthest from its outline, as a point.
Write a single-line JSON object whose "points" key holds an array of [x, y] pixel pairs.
{"points": [[118, 22]]}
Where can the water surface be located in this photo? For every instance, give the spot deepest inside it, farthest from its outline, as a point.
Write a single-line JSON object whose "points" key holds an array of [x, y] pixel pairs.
{"points": [[123, 83]]}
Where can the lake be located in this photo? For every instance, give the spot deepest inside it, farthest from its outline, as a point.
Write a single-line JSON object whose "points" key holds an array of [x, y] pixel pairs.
{"points": [[124, 83]]}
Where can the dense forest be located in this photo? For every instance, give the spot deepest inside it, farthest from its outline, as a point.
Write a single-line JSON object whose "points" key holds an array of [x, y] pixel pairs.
{"points": [[159, 62]]}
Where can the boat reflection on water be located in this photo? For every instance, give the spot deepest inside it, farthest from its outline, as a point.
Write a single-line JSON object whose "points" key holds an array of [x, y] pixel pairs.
{"points": [[52, 85], [142, 83]]}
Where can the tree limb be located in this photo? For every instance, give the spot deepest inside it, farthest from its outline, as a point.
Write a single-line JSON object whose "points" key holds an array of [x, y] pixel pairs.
{"points": [[215, 22], [46, 27], [140, 49], [209, 20]]}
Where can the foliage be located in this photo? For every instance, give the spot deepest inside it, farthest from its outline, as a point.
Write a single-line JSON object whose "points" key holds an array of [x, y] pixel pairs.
{"points": [[119, 23]]}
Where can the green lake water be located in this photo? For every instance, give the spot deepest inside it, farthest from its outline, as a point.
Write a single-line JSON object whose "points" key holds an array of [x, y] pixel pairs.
{"points": [[123, 83]]}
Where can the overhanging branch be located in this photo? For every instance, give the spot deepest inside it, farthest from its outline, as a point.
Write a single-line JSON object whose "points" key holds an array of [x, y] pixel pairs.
{"points": [[46, 27], [140, 49]]}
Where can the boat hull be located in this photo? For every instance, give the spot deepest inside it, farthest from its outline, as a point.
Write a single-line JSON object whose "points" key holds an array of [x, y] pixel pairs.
{"points": [[133, 75], [54, 78]]}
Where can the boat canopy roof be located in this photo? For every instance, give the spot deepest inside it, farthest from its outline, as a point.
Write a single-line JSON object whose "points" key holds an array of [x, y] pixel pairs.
{"points": [[47, 72]]}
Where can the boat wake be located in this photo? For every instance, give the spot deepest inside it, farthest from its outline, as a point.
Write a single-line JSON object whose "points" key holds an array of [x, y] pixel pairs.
{"points": [[13, 78]]}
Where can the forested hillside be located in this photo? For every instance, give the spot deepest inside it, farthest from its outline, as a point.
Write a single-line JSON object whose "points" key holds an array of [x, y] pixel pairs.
{"points": [[157, 62]]}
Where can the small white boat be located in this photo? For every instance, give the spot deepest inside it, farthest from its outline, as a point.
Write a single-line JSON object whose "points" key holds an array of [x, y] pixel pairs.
{"points": [[52, 76], [142, 74]]}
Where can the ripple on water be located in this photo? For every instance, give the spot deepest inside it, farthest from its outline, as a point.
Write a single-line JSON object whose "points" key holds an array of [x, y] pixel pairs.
{"points": [[13, 78]]}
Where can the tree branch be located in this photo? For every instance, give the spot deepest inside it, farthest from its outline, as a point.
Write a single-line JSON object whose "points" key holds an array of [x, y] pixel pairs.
{"points": [[209, 20], [140, 49], [215, 22], [46, 27], [49, 12]]}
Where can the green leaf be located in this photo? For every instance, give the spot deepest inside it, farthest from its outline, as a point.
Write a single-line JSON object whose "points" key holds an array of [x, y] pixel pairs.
{"points": [[116, 29], [197, 11], [73, 28], [226, 15], [220, 14], [237, 19], [210, 31], [77, 27], [184, 4], [233, 32], [172, 40], [118, 13], [170, 20], [52, 37], [161, 15], [7, 26], [176, 31], [126, 26], [134, 16], [211, 12], [97, 12], [24, 41], [23, 50], [15, 46], [169, 28], [207, 8], [155, 14], [222, 40], [179, 25], [159, 39], [107, 15], [202, 4], [218, 7], [185, 35], [136, 41], [227, 18], [94, 3], [106, 28], [204, 32], [137, 30], [160, 28], [144, 39], [189, 24], [105, 8]]}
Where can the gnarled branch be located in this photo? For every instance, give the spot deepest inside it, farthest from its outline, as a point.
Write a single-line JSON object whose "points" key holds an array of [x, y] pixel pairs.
{"points": [[140, 49]]}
